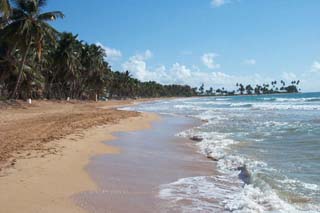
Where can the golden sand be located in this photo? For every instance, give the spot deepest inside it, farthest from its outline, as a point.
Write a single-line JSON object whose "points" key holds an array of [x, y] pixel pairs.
{"points": [[67, 134]]}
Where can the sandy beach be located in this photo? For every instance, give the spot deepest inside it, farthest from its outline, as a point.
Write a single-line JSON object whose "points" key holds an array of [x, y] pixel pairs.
{"points": [[159, 106], [149, 158], [45, 147]]}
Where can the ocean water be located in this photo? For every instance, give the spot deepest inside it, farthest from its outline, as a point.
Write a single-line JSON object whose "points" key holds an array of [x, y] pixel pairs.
{"points": [[266, 149]]}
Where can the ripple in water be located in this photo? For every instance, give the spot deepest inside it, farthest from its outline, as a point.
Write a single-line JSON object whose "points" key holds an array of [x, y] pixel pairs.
{"points": [[266, 149]]}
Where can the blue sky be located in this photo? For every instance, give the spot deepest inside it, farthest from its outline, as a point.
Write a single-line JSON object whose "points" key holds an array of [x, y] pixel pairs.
{"points": [[216, 42]]}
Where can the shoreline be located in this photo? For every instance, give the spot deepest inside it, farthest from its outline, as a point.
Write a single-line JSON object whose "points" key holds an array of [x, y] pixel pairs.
{"points": [[149, 159], [47, 182], [27, 128]]}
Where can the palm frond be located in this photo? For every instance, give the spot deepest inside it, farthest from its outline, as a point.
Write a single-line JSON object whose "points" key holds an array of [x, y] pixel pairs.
{"points": [[50, 16], [42, 3], [3, 22], [10, 32], [28, 6], [17, 14], [20, 4], [49, 32]]}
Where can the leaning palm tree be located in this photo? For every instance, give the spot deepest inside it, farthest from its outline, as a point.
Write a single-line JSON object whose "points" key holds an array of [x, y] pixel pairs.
{"points": [[28, 28]]}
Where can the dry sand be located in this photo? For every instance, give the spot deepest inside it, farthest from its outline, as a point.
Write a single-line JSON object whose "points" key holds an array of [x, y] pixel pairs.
{"points": [[47, 146]]}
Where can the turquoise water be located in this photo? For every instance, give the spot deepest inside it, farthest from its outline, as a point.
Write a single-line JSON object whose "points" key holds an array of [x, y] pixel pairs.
{"points": [[267, 150]]}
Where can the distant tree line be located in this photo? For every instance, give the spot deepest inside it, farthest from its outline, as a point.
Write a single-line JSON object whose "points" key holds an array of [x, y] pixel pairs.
{"points": [[37, 61], [243, 89]]}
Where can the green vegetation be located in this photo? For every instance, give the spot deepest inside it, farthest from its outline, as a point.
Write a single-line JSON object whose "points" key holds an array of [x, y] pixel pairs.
{"points": [[36, 61], [257, 90]]}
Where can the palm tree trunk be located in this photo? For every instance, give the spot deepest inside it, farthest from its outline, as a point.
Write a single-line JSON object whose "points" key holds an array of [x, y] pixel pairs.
{"points": [[13, 95]]}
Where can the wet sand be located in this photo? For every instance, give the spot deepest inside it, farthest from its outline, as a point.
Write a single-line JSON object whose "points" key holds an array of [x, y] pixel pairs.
{"points": [[130, 180], [42, 182]]}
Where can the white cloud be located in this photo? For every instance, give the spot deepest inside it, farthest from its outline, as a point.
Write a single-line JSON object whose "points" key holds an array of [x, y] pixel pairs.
{"points": [[112, 53], [178, 73], [143, 56], [309, 81], [250, 61], [219, 3], [315, 67], [208, 59], [289, 76], [137, 65], [181, 74]]}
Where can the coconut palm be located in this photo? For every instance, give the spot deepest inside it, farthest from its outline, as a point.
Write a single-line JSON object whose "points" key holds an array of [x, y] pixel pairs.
{"points": [[241, 88], [65, 67], [28, 28], [201, 89], [257, 89], [94, 69], [249, 89]]}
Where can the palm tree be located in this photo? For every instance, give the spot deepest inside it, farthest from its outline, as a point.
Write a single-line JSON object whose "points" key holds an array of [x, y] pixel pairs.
{"points": [[201, 89], [249, 89], [274, 83], [94, 68], [29, 27], [66, 65], [241, 88], [257, 89]]}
